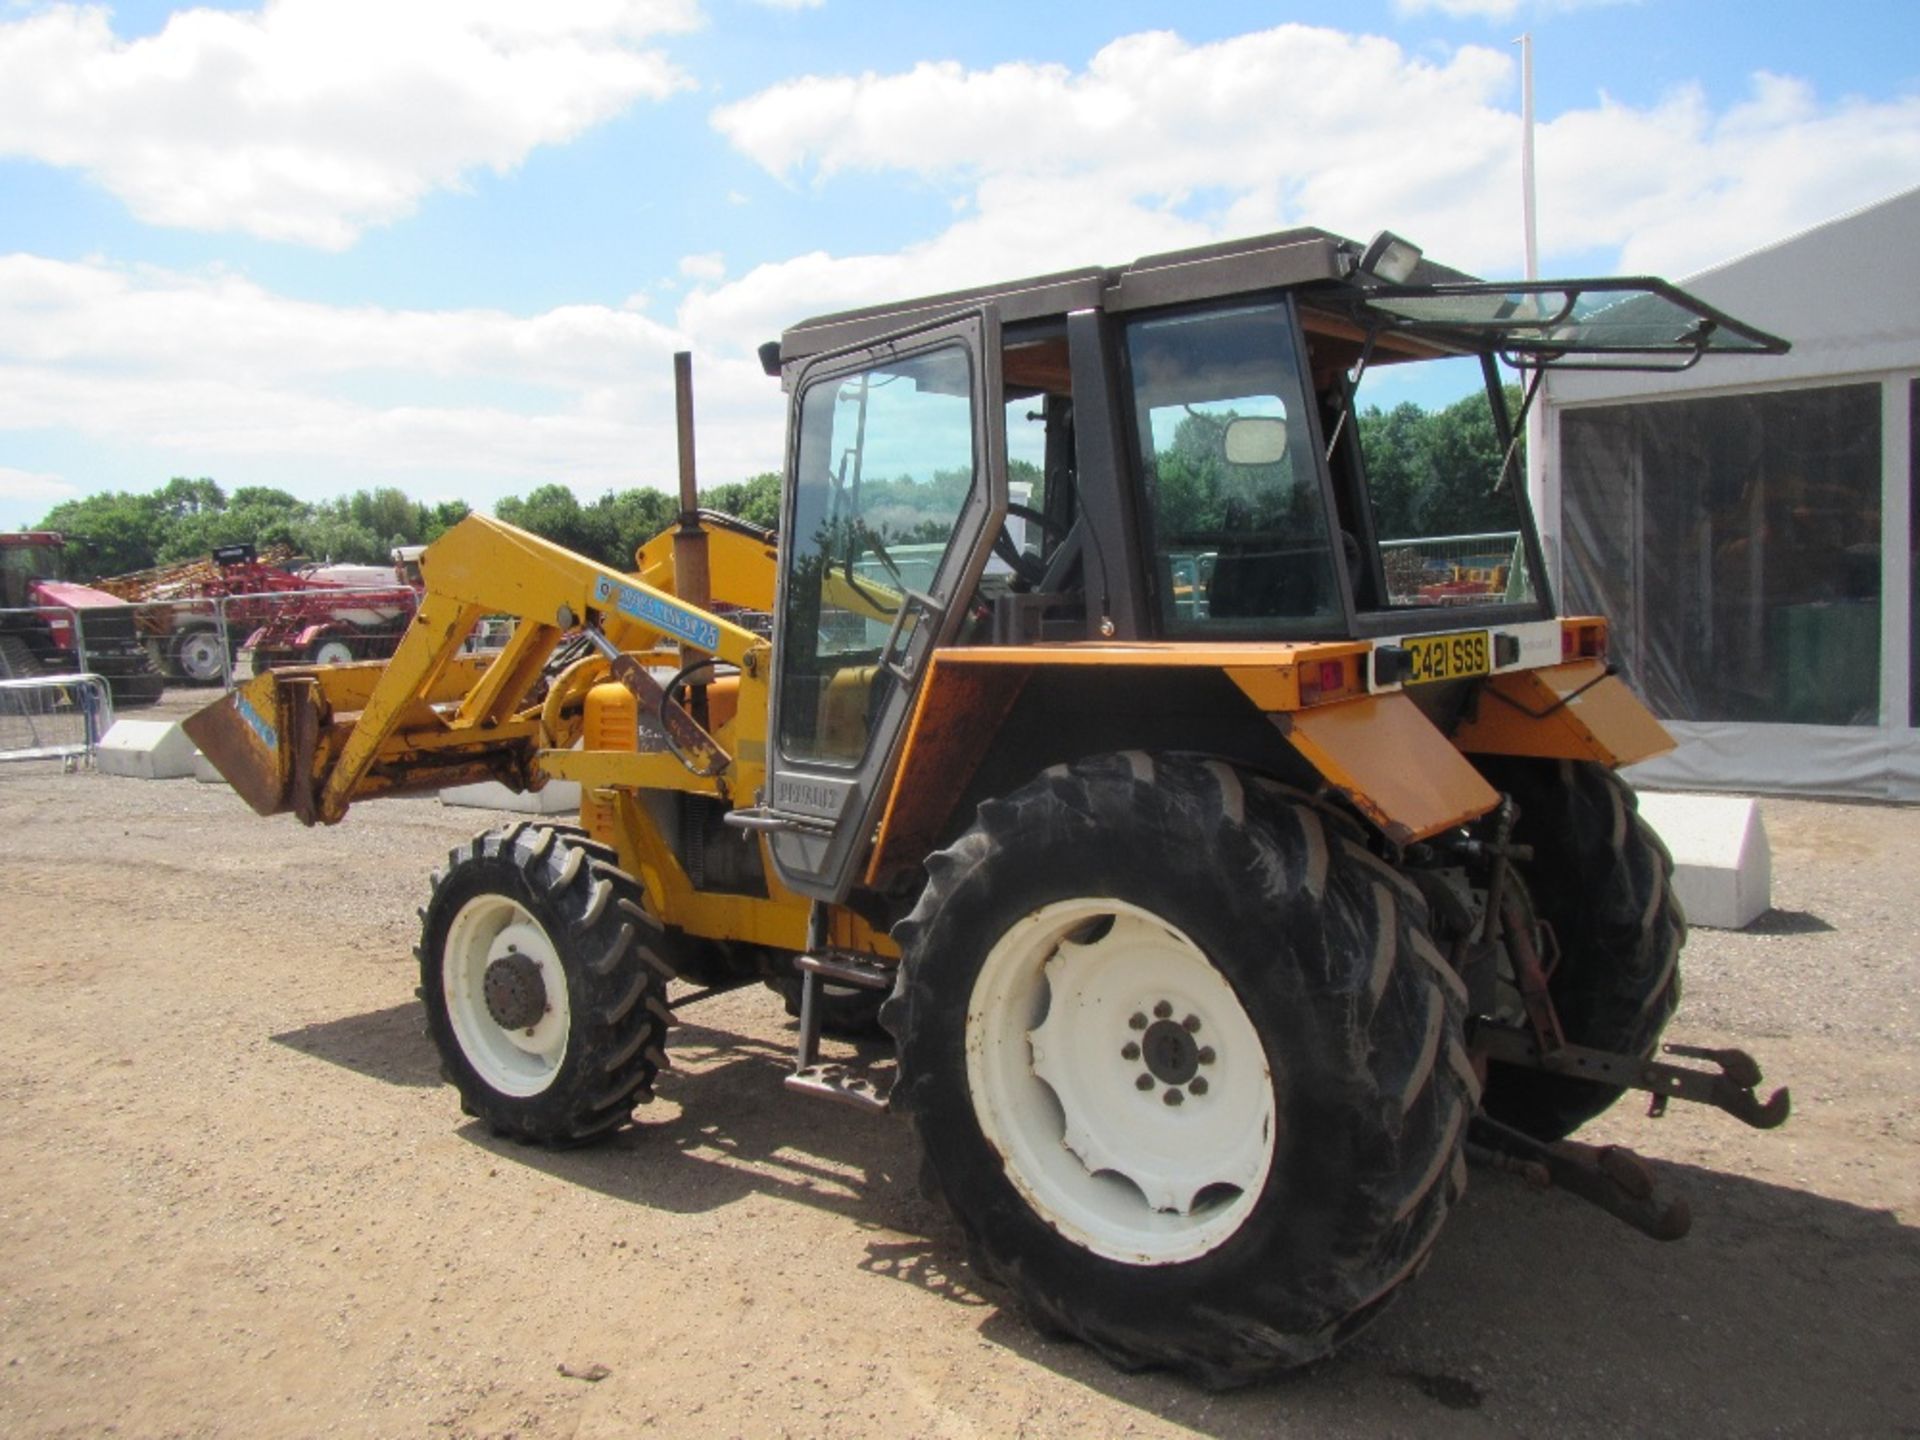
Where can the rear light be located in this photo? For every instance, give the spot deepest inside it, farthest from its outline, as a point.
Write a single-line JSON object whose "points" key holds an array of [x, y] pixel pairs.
{"points": [[1583, 640], [1324, 680]]}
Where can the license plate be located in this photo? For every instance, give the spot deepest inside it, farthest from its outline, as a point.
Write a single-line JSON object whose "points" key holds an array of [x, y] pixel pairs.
{"points": [[1446, 657]]}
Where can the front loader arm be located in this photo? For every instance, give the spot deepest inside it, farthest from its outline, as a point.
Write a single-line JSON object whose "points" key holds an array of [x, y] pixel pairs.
{"points": [[314, 739]]}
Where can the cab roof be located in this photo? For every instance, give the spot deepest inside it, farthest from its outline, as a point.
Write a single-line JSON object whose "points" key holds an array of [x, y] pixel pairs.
{"points": [[1612, 323]]}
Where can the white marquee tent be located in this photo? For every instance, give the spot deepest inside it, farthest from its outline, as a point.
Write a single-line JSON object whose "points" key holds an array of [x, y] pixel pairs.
{"points": [[1750, 525]]}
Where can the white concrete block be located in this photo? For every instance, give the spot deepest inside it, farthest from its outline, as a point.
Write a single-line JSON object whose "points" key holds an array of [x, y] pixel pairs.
{"points": [[145, 749], [557, 797], [204, 772], [1722, 868]]}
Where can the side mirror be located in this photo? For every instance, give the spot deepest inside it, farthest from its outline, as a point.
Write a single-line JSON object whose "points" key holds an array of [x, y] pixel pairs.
{"points": [[1255, 440]]}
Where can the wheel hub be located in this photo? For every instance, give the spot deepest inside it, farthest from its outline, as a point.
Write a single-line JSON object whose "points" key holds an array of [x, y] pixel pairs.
{"points": [[1171, 1054], [515, 993]]}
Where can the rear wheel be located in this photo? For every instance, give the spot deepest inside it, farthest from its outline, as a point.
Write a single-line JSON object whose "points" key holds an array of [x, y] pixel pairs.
{"points": [[1601, 878], [1214, 1124], [544, 985], [199, 655]]}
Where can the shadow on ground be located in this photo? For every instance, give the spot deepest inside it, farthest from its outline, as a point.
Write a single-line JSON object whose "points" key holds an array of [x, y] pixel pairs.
{"points": [[1788, 922], [388, 1045], [1784, 1312]]}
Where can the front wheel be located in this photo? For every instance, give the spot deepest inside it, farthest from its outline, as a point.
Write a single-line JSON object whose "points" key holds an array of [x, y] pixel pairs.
{"points": [[544, 985], [330, 650], [1183, 1062]]}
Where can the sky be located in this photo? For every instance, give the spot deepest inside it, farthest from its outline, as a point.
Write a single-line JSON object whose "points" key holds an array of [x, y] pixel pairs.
{"points": [[452, 245]]}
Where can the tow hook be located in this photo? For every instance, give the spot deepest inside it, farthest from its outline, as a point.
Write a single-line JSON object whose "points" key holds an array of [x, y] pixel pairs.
{"points": [[1731, 1088], [1610, 1176]]}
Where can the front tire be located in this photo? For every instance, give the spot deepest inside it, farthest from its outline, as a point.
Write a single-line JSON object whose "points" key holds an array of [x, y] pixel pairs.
{"points": [[544, 985], [1132, 929]]}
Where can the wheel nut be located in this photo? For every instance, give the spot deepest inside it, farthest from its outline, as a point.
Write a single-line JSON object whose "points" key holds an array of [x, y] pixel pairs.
{"points": [[1174, 1097], [1129, 1051], [1145, 1082], [1162, 1010], [1205, 1057], [1136, 1021], [1199, 1085], [1191, 1024]]}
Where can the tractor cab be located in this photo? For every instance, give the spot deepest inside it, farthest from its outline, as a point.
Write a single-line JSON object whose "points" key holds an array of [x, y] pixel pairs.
{"points": [[1184, 452], [27, 556]]}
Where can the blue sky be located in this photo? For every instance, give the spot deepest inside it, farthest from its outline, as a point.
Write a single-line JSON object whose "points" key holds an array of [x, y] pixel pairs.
{"points": [[450, 244]]}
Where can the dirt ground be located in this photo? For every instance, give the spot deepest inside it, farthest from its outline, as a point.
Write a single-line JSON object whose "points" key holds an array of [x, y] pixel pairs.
{"points": [[236, 1201]]}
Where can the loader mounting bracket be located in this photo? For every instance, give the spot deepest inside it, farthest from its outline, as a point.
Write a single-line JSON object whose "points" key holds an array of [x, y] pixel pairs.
{"points": [[1729, 1087]]}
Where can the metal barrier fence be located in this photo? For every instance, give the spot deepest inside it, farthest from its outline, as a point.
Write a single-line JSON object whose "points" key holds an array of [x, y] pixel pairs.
{"points": [[54, 717], [47, 613], [1453, 569], [237, 617]]}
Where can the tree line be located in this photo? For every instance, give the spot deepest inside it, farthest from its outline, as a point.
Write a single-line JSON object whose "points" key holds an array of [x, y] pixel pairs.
{"points": [[1423, 465], [185, 519]]}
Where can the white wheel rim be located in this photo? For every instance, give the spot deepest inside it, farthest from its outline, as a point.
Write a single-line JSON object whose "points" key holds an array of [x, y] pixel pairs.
{"points": [[333, 652], [1056, 1025], [199, 658], [521, 1061]]}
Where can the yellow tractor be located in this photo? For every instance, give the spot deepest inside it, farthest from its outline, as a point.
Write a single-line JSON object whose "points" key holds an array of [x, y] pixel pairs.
{"points": [[1231, 849]]}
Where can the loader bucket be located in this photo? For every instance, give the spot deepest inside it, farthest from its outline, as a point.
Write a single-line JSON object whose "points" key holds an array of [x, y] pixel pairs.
{"points": [[247, 737]]}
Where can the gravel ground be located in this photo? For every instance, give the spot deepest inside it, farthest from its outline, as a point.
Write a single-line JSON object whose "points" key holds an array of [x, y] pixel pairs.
{"points": [[237, 1202]]}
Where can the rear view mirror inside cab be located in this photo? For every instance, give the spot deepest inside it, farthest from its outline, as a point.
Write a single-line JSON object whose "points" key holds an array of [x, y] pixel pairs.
{"points": [[1255, 440]]}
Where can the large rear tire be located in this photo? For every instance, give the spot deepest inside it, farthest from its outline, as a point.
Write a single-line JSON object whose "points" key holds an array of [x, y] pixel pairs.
{"points": [[17, 660], [197, 655], [1604, 882], [544, 985], [1183, 1062]]}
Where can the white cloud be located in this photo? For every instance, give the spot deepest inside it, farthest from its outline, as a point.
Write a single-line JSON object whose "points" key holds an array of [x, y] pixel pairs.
{"points": [[790, 4], [1153, 145], [258, 388], [27, 486], [1677, 187], [1158, 142], [310, 120]]}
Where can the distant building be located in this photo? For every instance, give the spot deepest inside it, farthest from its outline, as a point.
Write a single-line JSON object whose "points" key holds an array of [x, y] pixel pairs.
{"points": [[1750, 526]]}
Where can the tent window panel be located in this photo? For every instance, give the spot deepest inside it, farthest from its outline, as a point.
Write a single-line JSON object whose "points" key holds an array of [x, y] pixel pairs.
{"points": [[1750, 525]]}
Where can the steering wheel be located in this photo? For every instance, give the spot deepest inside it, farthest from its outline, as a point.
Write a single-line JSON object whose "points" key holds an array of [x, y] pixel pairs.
{"points": [[1029, 568]]}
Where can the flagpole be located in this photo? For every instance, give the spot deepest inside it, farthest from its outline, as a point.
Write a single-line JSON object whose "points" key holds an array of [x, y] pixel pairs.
{"points": [[1542, 489]]}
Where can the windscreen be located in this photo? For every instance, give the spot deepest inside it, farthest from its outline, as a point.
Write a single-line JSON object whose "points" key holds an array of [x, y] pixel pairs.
{"points": [[1442, 485], [1239, 523]]}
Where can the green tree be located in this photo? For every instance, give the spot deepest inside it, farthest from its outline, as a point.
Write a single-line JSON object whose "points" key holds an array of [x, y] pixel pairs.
{"points": [[442, 518], [1399, 466], [553, 512], [113, 532], [755, 500]]}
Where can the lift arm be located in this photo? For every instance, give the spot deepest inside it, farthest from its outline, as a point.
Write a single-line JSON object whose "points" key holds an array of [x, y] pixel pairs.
{"points": [[314, 739]]}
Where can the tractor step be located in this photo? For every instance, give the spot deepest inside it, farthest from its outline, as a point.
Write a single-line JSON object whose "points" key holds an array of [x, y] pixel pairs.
{"points": [[845, 969], [840, 1083], [831, 1080]]}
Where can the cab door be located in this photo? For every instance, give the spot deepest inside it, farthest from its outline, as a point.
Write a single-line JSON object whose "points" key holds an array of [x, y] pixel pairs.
{"points": [[896, 487]]}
